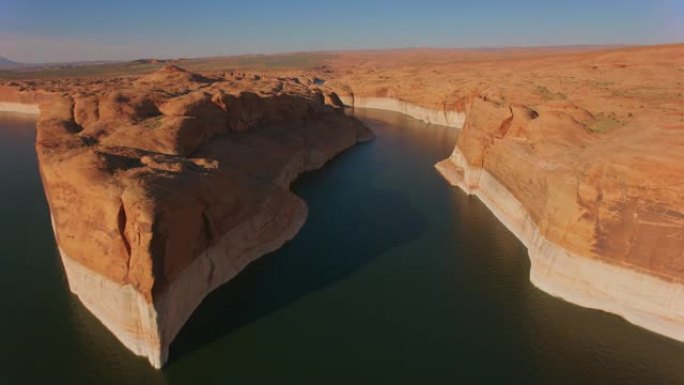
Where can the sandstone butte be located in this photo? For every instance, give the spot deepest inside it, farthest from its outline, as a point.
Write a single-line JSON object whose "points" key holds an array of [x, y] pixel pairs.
{"points": [[164, 187], [578, 151]]}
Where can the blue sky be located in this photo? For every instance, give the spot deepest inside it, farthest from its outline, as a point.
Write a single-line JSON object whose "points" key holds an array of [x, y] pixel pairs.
{"points": [[71, 30]]}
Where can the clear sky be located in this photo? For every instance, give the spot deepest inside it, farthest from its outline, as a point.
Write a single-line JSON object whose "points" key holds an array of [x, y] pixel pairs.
{"points": [[72, 30]]}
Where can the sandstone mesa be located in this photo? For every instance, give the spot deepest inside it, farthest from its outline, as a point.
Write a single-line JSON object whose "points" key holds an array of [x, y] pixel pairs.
{"points": [[163, 187], [579, 153]]}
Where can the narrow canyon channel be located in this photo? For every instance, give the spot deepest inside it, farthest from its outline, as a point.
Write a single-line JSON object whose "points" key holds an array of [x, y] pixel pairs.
{"points": [[396, 278]]}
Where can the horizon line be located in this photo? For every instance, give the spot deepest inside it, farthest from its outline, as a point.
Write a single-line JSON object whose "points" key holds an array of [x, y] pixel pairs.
{"points": [[330, 51]]}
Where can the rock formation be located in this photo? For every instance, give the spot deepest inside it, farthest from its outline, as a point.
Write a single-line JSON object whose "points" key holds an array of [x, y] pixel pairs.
{"points": [[579, 152], [581, 155], [162, 188]]}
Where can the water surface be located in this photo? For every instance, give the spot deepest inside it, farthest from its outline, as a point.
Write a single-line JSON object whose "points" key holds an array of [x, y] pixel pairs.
{"points": [[396, 278]]}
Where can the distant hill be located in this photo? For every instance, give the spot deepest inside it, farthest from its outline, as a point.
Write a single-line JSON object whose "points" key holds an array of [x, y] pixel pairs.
{"points": [[6, 63]]}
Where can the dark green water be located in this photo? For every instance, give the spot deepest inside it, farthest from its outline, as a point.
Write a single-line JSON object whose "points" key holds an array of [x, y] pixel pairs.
{"points": [[396, 278]]}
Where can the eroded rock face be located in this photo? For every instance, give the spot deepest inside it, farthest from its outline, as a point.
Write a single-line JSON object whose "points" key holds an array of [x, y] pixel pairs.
{"points": [[602, 195], [164, 187]]}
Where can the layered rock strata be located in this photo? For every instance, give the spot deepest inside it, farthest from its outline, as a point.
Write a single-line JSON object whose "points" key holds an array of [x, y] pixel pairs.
{"points": [[162, 188]]}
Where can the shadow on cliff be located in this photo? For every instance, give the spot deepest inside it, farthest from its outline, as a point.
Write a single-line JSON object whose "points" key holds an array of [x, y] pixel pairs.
{"points": [[350, 223]]}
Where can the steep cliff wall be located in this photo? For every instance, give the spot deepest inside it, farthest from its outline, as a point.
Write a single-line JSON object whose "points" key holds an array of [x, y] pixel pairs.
{"points": [[579, 156]]}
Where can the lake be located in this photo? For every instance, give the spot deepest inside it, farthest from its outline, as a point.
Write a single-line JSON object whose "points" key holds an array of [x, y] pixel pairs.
{"points": [[396, 278]]}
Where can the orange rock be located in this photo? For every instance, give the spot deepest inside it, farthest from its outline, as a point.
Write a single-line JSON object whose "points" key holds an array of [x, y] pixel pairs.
{"points": [[160, 195], [579, 153]]}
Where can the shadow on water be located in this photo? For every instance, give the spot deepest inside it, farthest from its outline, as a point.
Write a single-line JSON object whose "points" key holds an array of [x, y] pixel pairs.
{"points": [[342, 245]]}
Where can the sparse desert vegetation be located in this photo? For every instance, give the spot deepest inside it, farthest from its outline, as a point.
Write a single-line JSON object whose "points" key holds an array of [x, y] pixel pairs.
{"points": [[603, 123]]}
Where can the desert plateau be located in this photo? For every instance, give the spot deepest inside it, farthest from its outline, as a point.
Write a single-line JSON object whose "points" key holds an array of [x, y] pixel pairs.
{"points": [[508, 214]]}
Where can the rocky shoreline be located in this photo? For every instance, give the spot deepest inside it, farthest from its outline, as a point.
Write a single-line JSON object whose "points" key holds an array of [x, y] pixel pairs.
{"points": [[641, 298], [449, 118]]}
